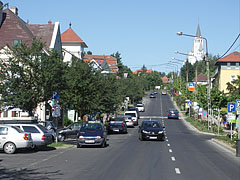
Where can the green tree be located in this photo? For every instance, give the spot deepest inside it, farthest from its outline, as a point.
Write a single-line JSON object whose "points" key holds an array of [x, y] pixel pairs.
{"points": [[233, 90], [30, 76]]}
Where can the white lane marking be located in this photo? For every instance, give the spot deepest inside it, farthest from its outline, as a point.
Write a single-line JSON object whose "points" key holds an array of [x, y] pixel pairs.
{"points": [[173, 158], [167, 140], [168, 145], [177, 170], [170, 150], [153, 117]]}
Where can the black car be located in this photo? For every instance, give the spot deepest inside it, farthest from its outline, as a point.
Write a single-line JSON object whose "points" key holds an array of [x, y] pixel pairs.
{"points": [[117, 125], [151, 130], [92, 133], [69, 132]]}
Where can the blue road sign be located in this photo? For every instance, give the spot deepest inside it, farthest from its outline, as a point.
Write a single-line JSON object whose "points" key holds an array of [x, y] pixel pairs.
{"points": [[191, 84], [189, 103], [231, 107]]}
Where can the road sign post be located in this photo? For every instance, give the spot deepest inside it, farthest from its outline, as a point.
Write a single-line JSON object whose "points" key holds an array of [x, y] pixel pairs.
{"points": [[189, 104], [238, 112]]}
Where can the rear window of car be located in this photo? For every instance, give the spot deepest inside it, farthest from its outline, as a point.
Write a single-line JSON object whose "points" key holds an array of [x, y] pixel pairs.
{"points": [[42, 128], [131, 114], [139, 105], [31, 129], [118, 119], [173, 111], [17, 129]]}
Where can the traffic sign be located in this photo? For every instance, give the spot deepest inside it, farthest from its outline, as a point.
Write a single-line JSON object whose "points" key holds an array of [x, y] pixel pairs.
{"points": [[191, 86], [204, 113], [189, 103], [231, 107]]}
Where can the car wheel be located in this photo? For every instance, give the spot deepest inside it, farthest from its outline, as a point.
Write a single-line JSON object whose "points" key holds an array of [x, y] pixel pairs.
{"points": [[163, 138], [140, 137], [9, 148], [61, 137]]}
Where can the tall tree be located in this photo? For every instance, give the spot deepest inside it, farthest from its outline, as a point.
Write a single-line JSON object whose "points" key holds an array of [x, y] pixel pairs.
{"points": [[30, 76]]}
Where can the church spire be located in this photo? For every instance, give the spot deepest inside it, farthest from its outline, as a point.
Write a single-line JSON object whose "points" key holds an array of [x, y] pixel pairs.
{"points": [[198, 34]]}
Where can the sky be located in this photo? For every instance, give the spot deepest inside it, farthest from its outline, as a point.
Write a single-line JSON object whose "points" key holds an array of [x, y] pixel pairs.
{"points": [[143, 31]]}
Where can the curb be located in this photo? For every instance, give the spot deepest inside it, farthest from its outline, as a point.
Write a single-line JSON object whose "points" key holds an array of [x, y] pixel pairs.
{"points": [[224, 145]]}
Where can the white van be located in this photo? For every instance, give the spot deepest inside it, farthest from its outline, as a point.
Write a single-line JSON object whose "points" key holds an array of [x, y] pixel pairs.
{"points": [[134, 116]]}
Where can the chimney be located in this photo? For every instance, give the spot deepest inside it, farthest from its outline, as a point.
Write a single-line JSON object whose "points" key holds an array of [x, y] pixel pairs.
{"points": [[49, 22], [14, 10], [1, 13]]}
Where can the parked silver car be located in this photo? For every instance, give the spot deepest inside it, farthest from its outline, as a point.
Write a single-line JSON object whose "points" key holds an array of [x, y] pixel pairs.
{"points": [[13, 138], [40, 135]]}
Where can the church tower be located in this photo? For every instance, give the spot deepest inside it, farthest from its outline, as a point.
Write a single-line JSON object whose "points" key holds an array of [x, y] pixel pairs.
{"points": [[197, 53]]}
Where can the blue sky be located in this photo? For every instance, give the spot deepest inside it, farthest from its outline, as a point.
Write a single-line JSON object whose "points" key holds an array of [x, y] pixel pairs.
{"points": [[144, 32]]}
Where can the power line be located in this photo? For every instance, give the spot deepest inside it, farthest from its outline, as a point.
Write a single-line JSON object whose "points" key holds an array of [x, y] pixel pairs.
{"points": [[230, 46]]}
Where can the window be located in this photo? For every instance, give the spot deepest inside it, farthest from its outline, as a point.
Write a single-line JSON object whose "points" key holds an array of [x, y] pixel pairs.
{"points": [[232, 64], [3, 130], [30, 129], [17, 43], [233, 78]]}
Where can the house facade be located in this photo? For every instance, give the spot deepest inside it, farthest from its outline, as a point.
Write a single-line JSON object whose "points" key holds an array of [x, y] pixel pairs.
{"points": [[228, 69], [15, 31], [72, 45]]}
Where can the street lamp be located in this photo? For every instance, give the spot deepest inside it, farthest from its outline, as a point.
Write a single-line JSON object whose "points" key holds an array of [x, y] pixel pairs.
{"points": [[207, 61]]}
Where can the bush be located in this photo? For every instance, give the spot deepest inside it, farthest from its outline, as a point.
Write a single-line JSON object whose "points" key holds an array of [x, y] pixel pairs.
{"points": [[67, 121]]}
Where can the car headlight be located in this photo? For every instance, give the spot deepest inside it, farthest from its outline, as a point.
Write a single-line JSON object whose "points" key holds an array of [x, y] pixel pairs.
{"points": [[99, 137], [160, 132], [145, 132], [81, 138]]}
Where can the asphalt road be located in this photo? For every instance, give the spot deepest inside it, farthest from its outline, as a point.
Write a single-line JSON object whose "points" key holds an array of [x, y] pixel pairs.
{"points": [[185, 155]]}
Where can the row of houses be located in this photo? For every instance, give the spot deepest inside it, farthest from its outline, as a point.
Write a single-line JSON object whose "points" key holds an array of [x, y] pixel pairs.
{"points": [[15, 31]]}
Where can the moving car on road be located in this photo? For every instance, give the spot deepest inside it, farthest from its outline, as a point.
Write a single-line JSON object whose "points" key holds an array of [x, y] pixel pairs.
{"points": [[151, 130], [164, 93], [173, 114], [140, 107], [13, 138], [134, 116], [92, 133], [117, 125]]}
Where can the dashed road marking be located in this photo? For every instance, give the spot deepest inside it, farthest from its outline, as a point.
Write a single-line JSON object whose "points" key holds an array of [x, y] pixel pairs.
{"points": [[168, 145], [173, 158], [177, 170], [167, 140], [170, 150]]}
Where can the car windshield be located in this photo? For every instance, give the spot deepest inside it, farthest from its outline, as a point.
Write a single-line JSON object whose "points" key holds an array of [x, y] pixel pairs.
{"points": [[117, 119], [151, 125], [91, 127], [131, 114]]}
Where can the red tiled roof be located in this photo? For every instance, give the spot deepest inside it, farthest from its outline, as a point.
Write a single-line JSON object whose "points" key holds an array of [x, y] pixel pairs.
{"points": [[111, 61], [70, 36], [233, 57], [165, 79], [139, 70], [14, 28], [201, 78]]}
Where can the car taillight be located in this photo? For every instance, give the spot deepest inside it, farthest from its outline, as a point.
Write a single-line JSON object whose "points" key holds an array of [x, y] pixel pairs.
{"points": [[131, 120], [25, 137], [177, 114], [43, 137], [169, 114], [122, 124]]}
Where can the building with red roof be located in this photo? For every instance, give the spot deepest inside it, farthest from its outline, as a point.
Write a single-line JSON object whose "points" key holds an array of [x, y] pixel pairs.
{"points": [[140, 70], [228, 68]]}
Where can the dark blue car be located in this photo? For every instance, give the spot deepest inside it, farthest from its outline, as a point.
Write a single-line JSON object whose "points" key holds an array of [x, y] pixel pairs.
{"points": [[92, 133], [173, 114], [151, 130]]}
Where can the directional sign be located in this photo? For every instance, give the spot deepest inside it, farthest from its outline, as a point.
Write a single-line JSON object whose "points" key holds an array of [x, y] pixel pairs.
{"points": [[191, 86], [231, 107]]}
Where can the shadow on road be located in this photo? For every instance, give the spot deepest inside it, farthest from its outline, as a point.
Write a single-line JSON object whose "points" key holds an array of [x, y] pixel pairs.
{"points": [[24, 173]]}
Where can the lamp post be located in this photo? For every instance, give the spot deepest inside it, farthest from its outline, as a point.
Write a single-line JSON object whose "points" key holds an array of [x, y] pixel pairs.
{"points": [[208, 78], [177, 52]]}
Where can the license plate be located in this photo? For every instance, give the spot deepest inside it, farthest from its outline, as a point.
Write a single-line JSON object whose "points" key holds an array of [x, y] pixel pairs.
{"points": [[173, 114], [152, 137], [116, 130], [89, 141]]}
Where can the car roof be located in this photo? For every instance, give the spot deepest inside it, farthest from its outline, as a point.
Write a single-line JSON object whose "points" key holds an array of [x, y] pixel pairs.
{"points": [[172, 109], [6, 125], [150, 121]]}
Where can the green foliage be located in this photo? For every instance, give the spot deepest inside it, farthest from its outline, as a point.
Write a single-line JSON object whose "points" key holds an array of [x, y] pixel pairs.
{"points": [[218, 98], [30, 76], [234, 90]]}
